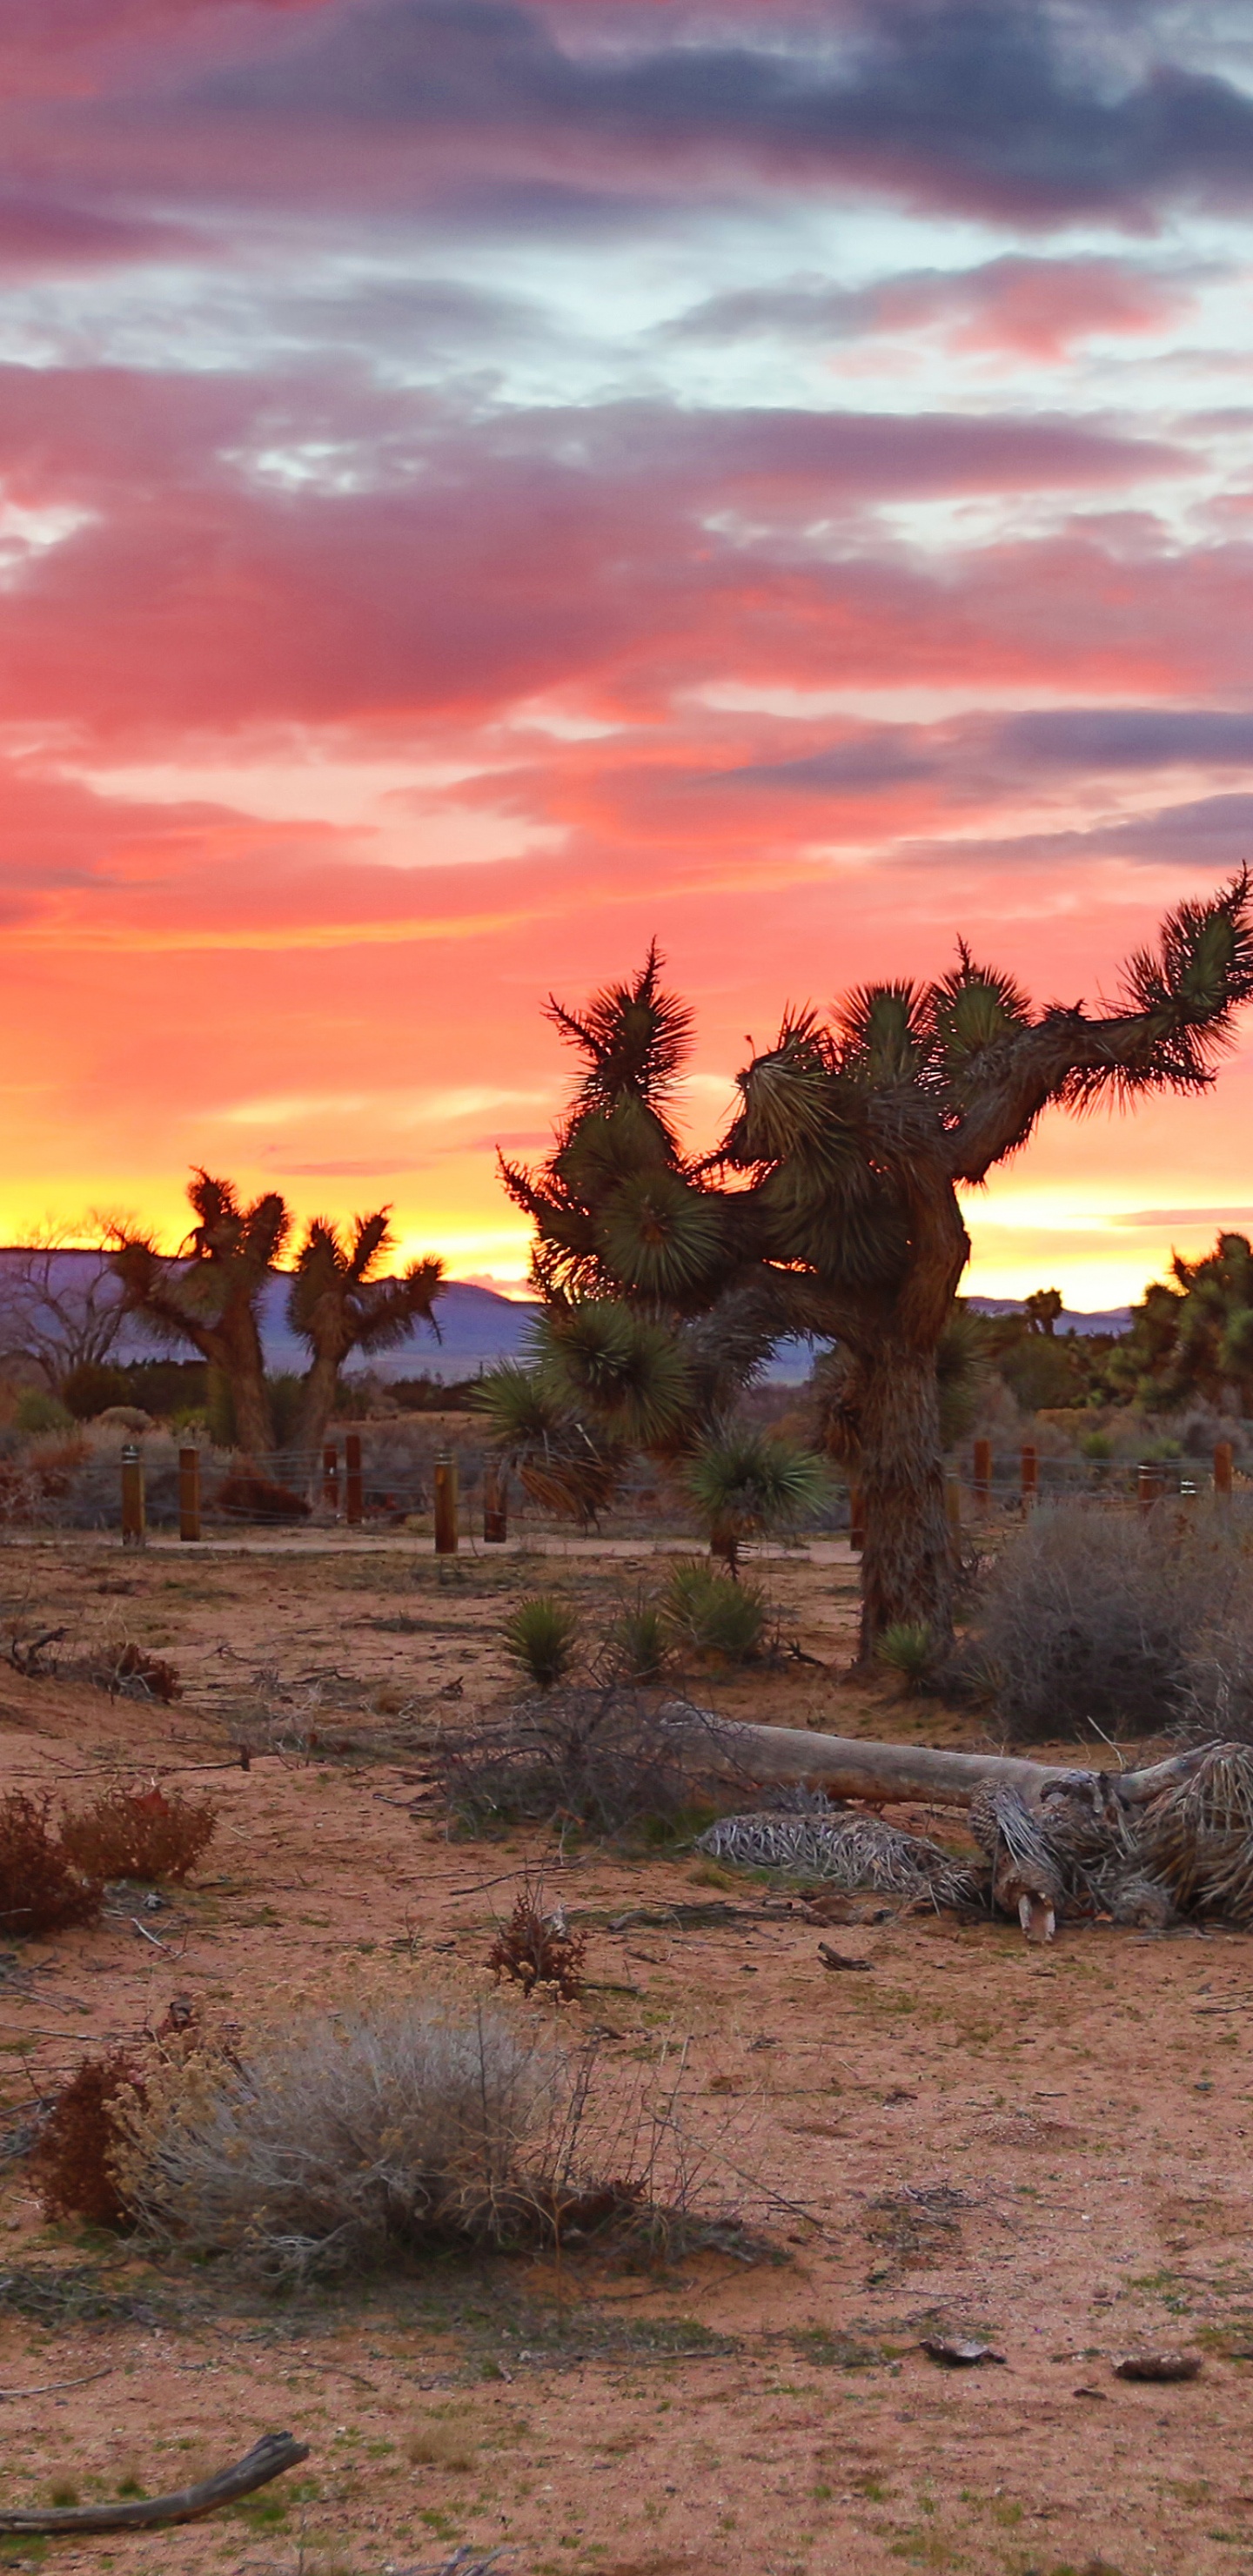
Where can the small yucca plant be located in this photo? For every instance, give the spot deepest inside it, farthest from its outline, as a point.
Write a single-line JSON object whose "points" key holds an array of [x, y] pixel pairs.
{"points": [[542, 1636], [716, 1615], [908, 1650], [639, 1641]]}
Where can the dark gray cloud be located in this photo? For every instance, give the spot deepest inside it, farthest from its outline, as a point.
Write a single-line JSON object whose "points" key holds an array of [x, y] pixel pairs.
{"points": [[1010, 107], [1120, 738]]}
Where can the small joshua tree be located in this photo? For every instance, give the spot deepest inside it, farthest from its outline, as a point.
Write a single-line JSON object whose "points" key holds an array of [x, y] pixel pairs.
{"points": [[337, 1307], [210, 1293]]}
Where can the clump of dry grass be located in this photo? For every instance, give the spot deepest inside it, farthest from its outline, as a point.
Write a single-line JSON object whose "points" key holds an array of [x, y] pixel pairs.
{"points": [[437, 2444], [353, 2134], [42, 1889], [148, 1833], [403, 2130]]}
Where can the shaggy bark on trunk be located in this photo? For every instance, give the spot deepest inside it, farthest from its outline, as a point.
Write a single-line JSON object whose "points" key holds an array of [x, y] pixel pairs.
{"points": [[907, 1568]]}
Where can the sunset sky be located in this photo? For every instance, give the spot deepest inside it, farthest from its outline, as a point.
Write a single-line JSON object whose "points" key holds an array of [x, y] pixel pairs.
{"points": [[483, 484]]}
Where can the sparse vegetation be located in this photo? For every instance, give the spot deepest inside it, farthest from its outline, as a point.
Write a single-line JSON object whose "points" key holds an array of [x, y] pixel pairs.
{"points": [[538, 1949], [150, 1833], [1099, 1621], [710, 1614], [542, 1636], [72, 2162], [599, 1756], [41, 1887], [906, 1649]]}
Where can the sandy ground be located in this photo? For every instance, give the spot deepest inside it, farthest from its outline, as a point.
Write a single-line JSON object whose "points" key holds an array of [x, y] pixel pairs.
{"points": [[1051, 2150]]}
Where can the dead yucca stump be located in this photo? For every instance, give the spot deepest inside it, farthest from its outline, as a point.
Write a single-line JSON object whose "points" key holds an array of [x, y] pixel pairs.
{"points": [[43, 1886], [72, 2161], [538, 1949], [1196, 1836], [140, 1833]]}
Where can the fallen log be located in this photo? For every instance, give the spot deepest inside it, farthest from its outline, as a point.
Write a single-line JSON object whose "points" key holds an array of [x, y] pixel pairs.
{"points": [[267, 2459], [886, 1774]]}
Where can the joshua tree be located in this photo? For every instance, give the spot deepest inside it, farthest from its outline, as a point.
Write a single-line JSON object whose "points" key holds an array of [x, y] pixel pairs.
{"points": [[1196, 1338], [210, 1292], [836, 1184], [337, 1308]]}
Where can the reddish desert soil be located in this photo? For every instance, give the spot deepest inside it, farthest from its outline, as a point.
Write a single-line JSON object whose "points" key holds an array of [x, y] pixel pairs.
{"points": [[1047, 2149]]}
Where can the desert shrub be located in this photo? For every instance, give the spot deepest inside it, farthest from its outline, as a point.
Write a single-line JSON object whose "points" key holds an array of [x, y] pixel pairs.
{"points": [[128, 1671], [542, 1636], [71, 2163], [139, 1833], [537, 1949], [349, 2137], [1214, 1698], [1094, 1619], [41, 1888], [906, 1648], [714, 1615], [38, 1412], [246, 1496], [403, 2130], [639, 1642], [601, 1757], [91, 1387]]}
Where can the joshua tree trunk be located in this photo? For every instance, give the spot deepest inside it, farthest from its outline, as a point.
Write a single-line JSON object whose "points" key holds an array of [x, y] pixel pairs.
{"points": [[317, 1404], [907, 1558], [237, 1351]]}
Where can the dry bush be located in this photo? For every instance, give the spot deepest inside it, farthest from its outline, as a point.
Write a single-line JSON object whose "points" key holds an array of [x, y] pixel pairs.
{"points": [[41, 1887], [601, 1756], [1092, 1618], [401, 2130], [438, 2445], [344, 2139], [128, 1671], [537, 1949], [71, 2163], [139, 1833]]}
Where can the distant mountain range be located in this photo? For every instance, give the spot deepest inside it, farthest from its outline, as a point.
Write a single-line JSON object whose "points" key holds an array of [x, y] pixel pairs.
{"points": [[477, 1327], [1107, 1319]]}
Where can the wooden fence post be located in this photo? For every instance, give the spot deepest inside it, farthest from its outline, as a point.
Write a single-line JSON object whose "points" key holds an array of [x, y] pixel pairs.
{"points": [[445, 1505], [856, 1519], [1030, 1474], [1150, 1485], [983, 1475], [189, 1493], [330, 1477], [495, 1508], [1222, 1469], [133, 1530], [354, 1498]]}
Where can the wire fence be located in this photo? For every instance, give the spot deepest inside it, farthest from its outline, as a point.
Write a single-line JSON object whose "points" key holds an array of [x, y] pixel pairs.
{"points": [[448, 1490]]}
